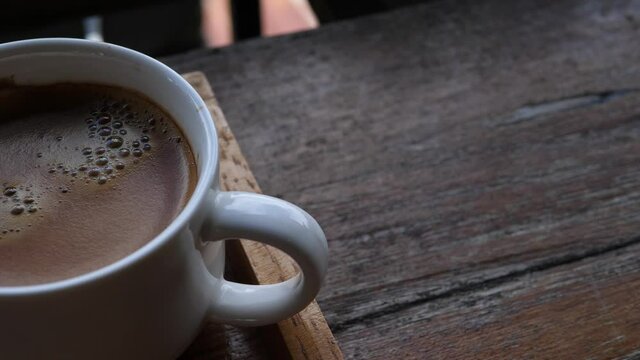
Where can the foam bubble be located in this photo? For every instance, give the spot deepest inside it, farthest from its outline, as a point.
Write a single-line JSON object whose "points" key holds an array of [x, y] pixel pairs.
{"points": [[124, 152], [104, 119], [101, 161], [114, 142], [10, 191], [94, 172], [104, 131], [137, 152], [17, 210]]}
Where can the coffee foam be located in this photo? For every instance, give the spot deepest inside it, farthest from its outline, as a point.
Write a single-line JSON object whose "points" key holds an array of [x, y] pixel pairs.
{"points": [[101, 155]]}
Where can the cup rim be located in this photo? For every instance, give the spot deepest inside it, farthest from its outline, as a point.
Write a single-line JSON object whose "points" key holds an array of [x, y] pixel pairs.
{"points": [[206, 172]]}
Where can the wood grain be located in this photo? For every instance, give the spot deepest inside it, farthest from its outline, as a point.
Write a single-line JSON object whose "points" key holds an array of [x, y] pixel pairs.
{"points": [[306, 335], [474, 165]]}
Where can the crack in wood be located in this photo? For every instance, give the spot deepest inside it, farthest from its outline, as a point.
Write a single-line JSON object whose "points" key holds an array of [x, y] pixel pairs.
{"points": [[531, 111], [466, 288]]}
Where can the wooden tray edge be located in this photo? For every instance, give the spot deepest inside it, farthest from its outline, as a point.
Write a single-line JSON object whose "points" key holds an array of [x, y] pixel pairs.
{"points": [[306, 334]]}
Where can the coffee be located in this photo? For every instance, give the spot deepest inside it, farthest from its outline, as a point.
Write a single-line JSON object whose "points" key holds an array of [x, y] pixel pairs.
{"points": [[88, 174]]}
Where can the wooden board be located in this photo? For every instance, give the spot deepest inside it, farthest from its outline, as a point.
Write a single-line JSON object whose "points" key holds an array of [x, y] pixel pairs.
{"points": [[303, 336], [475, 165]]}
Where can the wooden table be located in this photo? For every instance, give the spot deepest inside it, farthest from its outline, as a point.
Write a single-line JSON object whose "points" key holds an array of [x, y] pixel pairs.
{"points": [[475, 165]]}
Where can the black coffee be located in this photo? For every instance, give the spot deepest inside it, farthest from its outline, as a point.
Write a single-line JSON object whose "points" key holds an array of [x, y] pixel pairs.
{"points": [[88, 174]]}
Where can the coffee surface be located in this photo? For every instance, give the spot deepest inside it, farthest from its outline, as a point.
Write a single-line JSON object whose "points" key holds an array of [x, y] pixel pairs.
{"points": [[88, 174]]}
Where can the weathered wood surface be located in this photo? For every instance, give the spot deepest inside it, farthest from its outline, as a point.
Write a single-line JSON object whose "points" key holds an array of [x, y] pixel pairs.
{"points": [[475, 165], [303, 336]]}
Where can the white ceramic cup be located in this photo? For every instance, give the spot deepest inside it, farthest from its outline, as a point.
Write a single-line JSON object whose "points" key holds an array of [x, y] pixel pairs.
{"points": [[151, 304]]}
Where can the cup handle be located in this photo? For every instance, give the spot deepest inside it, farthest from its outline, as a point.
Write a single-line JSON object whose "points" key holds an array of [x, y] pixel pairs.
{"points": [[277, 223]]}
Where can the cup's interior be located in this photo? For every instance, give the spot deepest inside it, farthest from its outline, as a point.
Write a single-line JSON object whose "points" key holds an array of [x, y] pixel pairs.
{"points": [[48, 61]]}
